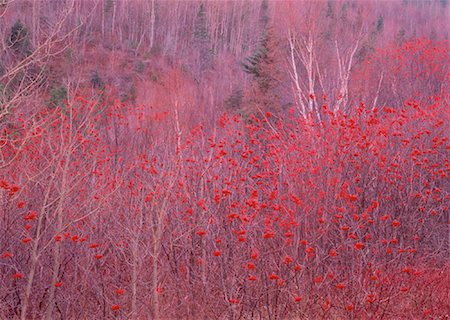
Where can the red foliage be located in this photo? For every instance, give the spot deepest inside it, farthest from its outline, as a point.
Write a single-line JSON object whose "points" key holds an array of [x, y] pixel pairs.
{"points": [[17, 275], [30, 216], [115, 307], [292, 210], [26, 240]]}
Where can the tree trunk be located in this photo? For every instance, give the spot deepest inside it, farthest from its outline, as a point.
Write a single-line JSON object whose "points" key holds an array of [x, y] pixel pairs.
{"points": [[34, 254], [57, 248], [152, 24]]}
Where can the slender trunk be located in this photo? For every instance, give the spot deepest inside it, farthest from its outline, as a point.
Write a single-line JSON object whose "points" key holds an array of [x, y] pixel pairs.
{"points": [[103, 20], [155, 278], [295, 77], [57, 248], [35, 21], [152, 24], [136, 265], [158, 230], [113, 23], [35, 255], [134, 276]]}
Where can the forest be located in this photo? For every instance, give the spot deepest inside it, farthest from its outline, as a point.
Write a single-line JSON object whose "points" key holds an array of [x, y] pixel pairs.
{"points": [[224, 159]]}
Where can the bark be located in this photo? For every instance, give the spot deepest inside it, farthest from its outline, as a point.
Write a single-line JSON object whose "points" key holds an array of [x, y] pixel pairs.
{"points": [[35, 253], [57, 247], [152, 24]]}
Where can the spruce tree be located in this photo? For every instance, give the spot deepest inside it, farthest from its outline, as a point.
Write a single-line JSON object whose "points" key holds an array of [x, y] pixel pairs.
{"points": [[202, 39], [262, 65]]}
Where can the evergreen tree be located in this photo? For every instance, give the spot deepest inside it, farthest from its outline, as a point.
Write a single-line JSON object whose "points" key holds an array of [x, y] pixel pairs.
{"points": [[262, 65], [18, 39], [380, 24], [259, 63], [202, 39], [200, 27]]}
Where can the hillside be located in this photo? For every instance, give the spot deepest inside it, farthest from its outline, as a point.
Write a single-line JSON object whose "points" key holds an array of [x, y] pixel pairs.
{"points": [[224, 159]]}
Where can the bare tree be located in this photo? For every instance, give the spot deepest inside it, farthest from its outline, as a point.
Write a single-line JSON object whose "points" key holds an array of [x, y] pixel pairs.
{"points": [[23, 75]]}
